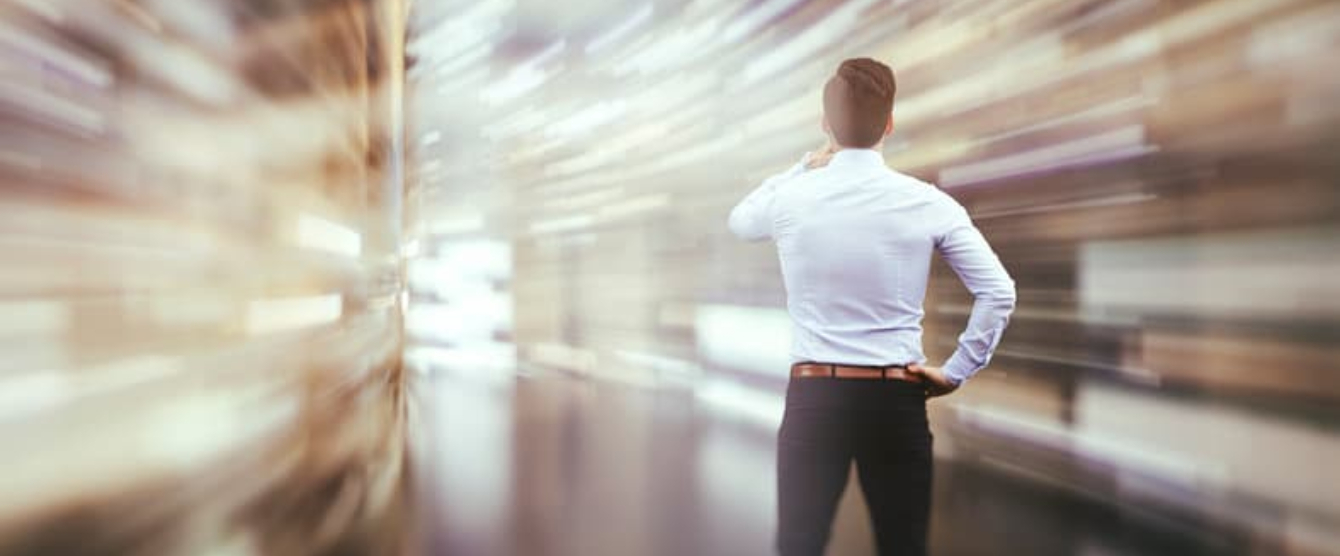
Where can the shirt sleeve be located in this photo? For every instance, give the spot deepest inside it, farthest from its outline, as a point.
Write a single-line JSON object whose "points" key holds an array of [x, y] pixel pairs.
{"points": [[751, 220], [968, 253]]}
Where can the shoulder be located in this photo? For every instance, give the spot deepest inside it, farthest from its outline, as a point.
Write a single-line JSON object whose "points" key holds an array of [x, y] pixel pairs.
{"points": [[941, 210], [805, 180], [913, 181], [931, 193]]}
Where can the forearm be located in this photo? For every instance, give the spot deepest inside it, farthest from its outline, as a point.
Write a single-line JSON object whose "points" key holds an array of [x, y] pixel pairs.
{"points": [[990, 315], [968, 253]]}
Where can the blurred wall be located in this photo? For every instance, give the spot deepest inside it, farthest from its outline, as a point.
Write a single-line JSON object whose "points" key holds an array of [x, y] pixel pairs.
{"points": [[199, 311]]}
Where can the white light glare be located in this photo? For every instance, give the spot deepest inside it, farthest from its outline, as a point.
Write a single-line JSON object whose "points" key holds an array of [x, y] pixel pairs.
{"points": [[318, 233]]}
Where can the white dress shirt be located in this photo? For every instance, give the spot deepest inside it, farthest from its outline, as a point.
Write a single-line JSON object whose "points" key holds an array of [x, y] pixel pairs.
{"points": [[855, 241]]}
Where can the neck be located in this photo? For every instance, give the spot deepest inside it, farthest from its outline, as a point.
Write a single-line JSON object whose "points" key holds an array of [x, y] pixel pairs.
{"points": [[875, 147]]}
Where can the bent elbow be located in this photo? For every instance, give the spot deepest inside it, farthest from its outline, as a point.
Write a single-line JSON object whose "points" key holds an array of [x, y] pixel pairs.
{"points": [[1002, 296]]}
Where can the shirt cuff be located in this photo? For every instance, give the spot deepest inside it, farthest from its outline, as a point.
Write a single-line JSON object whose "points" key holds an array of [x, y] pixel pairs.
{"points": [[958, 369]]}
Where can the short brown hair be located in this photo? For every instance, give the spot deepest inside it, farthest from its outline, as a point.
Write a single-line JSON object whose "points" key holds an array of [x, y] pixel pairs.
{"points": [[858, 100]]}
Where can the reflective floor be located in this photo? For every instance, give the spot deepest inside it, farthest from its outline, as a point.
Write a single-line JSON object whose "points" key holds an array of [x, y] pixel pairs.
{"points": [[552, 465]]}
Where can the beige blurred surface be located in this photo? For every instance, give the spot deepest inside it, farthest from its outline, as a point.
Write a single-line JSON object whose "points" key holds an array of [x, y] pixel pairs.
{"points": [[199, 307]]}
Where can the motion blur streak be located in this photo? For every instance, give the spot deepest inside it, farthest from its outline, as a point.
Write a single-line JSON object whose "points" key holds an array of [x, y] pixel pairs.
{"points": [[225, 224], [1160, 177], [199, 313]]}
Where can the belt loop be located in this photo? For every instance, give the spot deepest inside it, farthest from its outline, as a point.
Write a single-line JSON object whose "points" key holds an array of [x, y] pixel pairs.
{"points": [[832, 371], [883, 373]]}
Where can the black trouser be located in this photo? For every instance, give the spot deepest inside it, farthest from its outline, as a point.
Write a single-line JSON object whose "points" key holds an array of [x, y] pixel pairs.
{"points": [[879, 424]]}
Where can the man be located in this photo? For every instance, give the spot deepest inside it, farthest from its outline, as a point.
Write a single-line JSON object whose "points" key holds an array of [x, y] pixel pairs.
{"points": [[855, 241]]}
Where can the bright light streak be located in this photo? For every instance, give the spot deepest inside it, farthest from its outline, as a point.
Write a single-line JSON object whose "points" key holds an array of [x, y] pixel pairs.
{"points": [[674, 50], [562, 356], [1125, 142], [43, 8], [564, 224], [755, 19], [519, 82], [588, 119], [269, 315], [411, 249], [456, 225], [319, 233], [754, 339], [635, 205], [52, 108], [478, 22], [465, 59], [19, 41], [526, 119], [823, 33], [760, 407], [25, 317], [622, 30]]}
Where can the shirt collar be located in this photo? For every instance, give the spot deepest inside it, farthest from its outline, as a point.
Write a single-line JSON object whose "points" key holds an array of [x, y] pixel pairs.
{"points": [[857, 157]]}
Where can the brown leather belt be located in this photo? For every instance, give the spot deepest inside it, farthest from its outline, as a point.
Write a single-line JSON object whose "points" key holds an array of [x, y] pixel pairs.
{"points": [[830, 370]]}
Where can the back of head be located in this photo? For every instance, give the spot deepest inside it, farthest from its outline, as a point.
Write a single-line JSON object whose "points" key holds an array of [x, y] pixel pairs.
{"points": [[858, 100]]}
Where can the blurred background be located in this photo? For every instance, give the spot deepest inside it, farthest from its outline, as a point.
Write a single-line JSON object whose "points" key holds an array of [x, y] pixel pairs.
{"points": [[452, 276]]}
